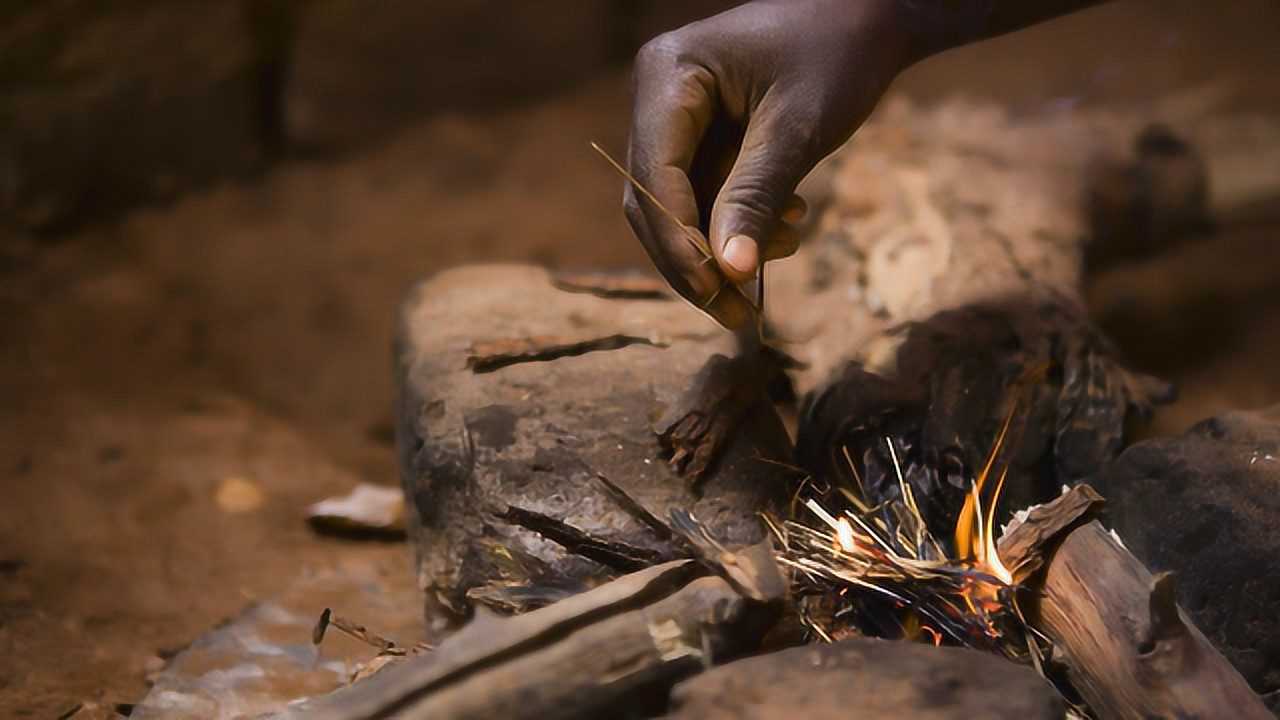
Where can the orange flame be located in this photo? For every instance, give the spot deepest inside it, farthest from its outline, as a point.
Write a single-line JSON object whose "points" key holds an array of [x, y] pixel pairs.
{"points": [[975, 535]]}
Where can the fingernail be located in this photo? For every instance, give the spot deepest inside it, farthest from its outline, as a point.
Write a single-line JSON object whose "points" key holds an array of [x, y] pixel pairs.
{"points": [[741, 254]]}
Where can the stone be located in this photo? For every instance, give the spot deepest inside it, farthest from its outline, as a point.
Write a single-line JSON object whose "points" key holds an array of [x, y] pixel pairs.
{"points": [[1206, 506], [534, 433], [866, 678], [263, 658]]}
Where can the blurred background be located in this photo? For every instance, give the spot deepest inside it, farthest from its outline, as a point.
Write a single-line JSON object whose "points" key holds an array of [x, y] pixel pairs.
{"points": [[209, 212]]}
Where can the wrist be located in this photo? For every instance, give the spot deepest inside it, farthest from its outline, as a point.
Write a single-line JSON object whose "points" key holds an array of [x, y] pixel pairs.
{"points": [[933, 26]]}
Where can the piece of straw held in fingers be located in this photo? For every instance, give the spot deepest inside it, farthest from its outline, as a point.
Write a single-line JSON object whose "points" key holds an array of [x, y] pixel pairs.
{"points": [[693, 237]]}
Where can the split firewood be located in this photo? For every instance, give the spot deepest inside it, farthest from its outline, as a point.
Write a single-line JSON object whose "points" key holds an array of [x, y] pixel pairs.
{"points": [[633, 508], [1130, 651], [642, 632], [752, 570], [1033, 532], [522, 581]]}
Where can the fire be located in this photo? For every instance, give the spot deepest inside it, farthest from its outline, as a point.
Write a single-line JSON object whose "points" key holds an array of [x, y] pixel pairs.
{"points": [[882, 569], [975, 534]]}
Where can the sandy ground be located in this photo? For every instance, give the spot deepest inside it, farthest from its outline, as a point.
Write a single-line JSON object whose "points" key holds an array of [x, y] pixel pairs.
{"points": [[244, 332]]}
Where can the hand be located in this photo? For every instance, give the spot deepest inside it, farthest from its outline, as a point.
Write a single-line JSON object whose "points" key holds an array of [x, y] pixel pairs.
{"points": [[731, 113]]}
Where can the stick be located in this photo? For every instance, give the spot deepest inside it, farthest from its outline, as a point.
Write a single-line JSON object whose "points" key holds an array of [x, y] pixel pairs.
{"points": [[616, 555], [633, 508], [598, 654], [1130, 650]]}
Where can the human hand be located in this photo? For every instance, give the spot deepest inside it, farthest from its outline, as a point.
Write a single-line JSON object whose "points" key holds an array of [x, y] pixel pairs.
{"points": [[731, 113]]}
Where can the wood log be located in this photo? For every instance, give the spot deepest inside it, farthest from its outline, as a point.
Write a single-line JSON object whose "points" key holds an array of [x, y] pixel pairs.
{"points": [[1130, 651], [867, 678], [567, 393], [613, 649]]}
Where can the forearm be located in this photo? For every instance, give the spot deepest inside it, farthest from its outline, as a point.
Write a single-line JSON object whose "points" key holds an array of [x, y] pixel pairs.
{"points": [[943, 24]]}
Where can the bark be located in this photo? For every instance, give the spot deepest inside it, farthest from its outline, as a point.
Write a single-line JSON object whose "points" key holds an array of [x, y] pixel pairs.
{"points": [[1130, 651]]}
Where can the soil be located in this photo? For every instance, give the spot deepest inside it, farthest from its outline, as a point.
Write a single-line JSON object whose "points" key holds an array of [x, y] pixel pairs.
{"points": [[242, 334]]}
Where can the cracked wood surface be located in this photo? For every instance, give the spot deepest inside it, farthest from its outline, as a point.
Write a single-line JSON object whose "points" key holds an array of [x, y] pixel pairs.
{"points": [[536, 435]]}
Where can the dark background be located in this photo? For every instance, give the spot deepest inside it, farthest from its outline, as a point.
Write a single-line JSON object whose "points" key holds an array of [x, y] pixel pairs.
{"points": [[209, 210]]}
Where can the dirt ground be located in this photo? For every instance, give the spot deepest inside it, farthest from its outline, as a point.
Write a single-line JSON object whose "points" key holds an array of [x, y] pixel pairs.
{"points": [[244, 332]]}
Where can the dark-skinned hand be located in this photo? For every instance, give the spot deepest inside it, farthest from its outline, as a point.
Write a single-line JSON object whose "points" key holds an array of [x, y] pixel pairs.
{"points": [[733, 111]]}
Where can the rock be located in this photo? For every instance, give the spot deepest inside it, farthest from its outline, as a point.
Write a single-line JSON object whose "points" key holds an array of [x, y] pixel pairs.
{"points": [[367, 511], [1206, 506], [865, 678], [534, 433], [263, 658]]}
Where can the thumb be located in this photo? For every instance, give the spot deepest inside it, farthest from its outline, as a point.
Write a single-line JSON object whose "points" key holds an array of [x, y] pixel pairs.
{"points": [[770, 165]]}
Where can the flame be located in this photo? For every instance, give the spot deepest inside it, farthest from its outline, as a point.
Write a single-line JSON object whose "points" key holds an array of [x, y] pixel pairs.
{"points": [[962, 597], [975, 533], [933, 634]]}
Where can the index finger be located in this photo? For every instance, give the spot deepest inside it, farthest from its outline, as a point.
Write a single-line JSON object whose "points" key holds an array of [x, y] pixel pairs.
{"points": [[674, 104]]}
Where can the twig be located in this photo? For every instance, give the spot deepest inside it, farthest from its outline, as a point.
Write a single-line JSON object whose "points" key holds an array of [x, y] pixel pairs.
{"points": [[616, 555], [633, 508], [359, 632]]}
